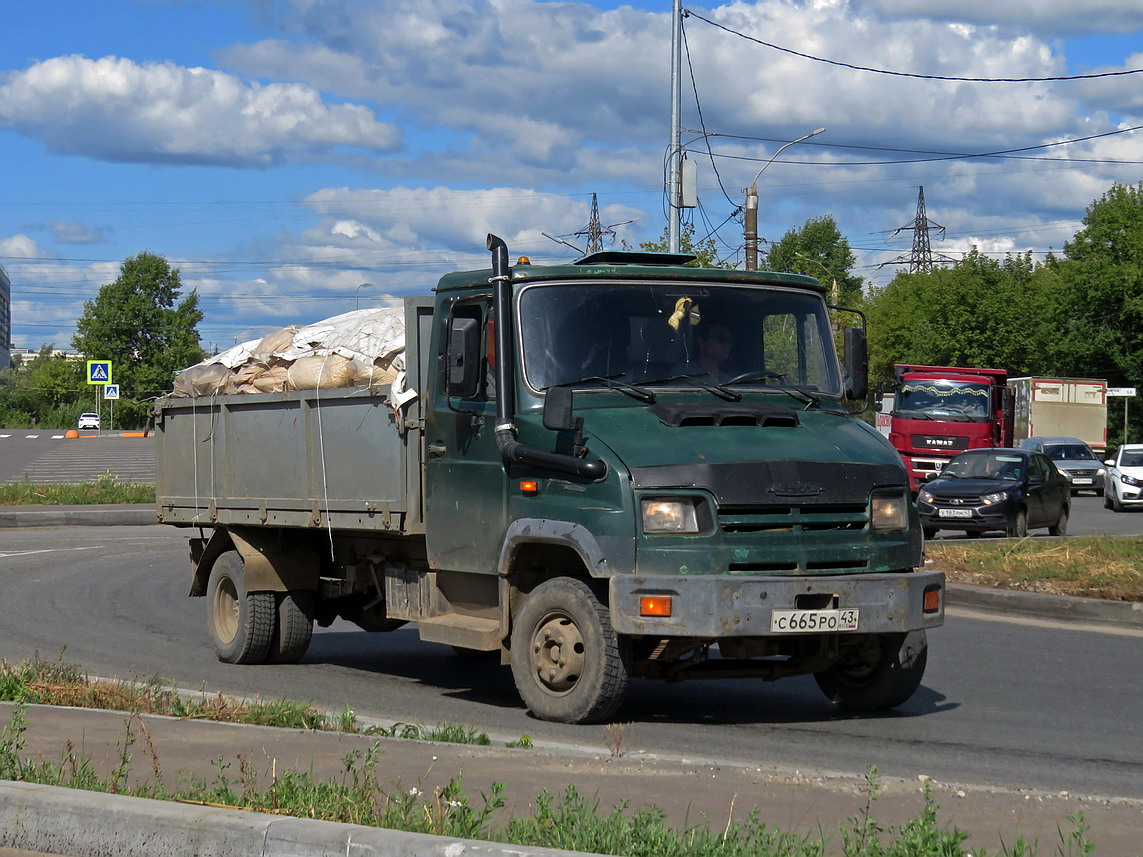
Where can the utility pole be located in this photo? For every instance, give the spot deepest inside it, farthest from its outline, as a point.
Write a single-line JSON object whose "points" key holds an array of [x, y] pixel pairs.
{"points": [[675, 161], [750, 210]]}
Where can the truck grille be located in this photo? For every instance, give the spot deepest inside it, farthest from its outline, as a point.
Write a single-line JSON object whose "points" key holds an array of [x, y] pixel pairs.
{"points": [[758, 519], [806, 539]]}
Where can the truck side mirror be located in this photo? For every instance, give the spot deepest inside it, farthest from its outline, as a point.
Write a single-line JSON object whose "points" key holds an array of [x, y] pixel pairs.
{"points": [[856, 364], [463, 359], [558, 409]]}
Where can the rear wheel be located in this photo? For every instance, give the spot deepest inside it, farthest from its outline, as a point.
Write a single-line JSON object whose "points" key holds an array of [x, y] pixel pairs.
{"points": [[568, 663], [295, 626], [878, 672], [1060, 528], [240, 623], [1018, 528]]}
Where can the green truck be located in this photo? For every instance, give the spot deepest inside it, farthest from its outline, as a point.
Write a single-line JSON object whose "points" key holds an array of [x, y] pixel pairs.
{"points": [[615, 468]]}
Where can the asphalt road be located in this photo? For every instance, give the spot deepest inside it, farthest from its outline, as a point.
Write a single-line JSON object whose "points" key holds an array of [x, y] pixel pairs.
{"points": [[47, 456], [1004, 702]]}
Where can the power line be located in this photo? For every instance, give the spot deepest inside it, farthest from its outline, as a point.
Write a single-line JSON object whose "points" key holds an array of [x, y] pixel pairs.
{"points": [[689, 13]]}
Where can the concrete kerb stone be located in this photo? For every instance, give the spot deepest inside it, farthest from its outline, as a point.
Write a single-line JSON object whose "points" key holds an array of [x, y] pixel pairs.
{"points": [[59, 820], [127, 515], [1042, 605]]}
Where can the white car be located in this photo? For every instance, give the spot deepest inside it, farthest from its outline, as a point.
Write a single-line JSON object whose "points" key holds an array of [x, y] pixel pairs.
{"points": [[1123, 479], [88, 421]]}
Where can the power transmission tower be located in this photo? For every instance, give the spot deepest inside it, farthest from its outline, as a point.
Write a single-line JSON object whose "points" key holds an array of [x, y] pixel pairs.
{"points": [[921, 258], [594, 232]]}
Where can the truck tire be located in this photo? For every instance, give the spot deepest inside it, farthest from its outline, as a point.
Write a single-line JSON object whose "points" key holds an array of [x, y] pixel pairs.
{"points": [[568, 663], [295, 627], [1018, 529], [880, 672], [240, 623]]}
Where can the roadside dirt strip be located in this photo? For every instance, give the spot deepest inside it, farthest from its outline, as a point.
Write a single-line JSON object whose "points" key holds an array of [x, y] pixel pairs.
{"points": [[689, 792]]}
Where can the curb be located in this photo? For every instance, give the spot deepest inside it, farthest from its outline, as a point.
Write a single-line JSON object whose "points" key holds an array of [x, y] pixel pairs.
{"points": [[1042, 605], [59, 820], [79, 516]]}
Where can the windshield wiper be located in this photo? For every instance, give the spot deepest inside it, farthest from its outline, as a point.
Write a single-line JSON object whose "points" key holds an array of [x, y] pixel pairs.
{"points": [[610, 382], [694, 381], [766, 374], [913, 415]]}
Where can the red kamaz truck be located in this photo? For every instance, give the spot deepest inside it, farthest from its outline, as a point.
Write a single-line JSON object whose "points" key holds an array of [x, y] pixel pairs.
{"points": [[939, 411]]}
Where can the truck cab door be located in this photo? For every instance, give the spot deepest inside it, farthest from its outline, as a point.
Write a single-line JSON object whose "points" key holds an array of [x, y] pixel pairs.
{"points": [[465, 491]]}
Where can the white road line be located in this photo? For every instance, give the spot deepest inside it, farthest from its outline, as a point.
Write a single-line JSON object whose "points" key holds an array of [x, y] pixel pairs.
{"points": [[31, 436], [4, 554]]}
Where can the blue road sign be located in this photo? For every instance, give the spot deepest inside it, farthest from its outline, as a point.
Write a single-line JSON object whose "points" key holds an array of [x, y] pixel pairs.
{"points": [[111, 391], [99, 371]]}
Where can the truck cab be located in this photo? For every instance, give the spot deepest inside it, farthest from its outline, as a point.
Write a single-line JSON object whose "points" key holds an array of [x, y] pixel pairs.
{"points": [[939, 411]]}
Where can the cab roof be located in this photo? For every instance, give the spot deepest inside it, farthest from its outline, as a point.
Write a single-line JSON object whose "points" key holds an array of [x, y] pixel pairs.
{"points": [[623, 264]]}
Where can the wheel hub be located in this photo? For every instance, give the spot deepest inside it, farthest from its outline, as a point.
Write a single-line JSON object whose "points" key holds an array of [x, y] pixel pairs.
{"points": [[558, 654], [224, 610]]}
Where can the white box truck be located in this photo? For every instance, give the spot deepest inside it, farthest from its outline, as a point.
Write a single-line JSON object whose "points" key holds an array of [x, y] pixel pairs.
{"points": [[1061, 407]]}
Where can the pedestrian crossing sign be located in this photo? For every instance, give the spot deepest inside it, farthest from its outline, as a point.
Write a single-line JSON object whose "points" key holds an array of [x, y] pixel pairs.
{"points": [[111, 391], [99, 371]]}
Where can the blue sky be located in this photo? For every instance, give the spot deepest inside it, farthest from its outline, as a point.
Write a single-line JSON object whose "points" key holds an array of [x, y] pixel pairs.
{"points": [[283, 152]]}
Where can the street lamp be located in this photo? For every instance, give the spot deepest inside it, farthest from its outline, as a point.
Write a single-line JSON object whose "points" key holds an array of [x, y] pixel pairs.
{"points": [[750, 219], [359, 288]]}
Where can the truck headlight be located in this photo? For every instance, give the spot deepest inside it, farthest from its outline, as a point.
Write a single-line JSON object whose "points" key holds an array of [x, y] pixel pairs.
{"points": [[889, 512], [670, 515]]}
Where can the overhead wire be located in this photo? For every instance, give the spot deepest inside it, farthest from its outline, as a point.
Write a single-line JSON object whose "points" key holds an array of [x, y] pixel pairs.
{"points": [[915, 75]]}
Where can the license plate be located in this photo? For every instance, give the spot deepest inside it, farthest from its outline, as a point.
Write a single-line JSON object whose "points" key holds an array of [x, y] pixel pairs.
{"points": [[954, 513], [1082, 480], [807, 621]]}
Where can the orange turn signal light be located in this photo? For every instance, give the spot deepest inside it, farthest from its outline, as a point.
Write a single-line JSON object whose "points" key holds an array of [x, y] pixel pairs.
{"points": [[655, 605], [932, 600], [529, 487]]}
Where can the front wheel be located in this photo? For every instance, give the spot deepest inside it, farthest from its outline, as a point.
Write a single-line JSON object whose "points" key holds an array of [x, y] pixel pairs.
{"points": [[240, 623], [877, 672], [568, 663], [1018, 528]]}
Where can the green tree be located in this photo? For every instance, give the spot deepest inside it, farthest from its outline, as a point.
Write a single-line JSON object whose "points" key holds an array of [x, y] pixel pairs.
{"points": [[820, 250], [977, 312], [136, 323]]}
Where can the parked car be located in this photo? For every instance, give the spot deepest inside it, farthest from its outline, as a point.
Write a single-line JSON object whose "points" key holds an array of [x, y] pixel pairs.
{"points": [[1013, 490], [1123, 479], [88, 421], [1073, 458]]}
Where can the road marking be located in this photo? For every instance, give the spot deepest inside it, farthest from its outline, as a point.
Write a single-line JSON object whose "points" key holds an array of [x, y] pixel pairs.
{"points": [[31, 436], [5, 435], [6, 554]]}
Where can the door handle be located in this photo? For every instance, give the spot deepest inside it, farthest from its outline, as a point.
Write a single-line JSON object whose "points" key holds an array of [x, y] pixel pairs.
{"points": [[436, 450]]}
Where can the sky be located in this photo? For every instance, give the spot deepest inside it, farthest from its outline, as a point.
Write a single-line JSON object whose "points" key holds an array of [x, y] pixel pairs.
{"points": [[296, 159]]}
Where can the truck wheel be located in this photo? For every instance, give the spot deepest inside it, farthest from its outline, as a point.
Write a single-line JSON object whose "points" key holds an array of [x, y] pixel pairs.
{"points": [[240, 623], [295, 627], [881, 671], [1019, 526], [1061, 526], [568, 663]]}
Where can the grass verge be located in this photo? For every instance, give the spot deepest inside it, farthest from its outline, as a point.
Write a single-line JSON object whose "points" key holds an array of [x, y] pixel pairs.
{"points": [[1092, 566], [568, 821], [55, 682], [565, 820], [104, 489]]}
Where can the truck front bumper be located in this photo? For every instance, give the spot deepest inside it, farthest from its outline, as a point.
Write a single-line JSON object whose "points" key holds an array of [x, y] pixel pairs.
{"points": [[716, 606]]}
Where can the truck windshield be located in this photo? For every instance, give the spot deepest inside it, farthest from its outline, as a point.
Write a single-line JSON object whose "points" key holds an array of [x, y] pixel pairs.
{"points": [[670, 334], [940, 399]]}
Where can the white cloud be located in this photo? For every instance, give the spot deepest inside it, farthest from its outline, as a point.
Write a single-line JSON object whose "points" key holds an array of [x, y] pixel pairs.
{"points": [[20, 247], [117, 110], [1056, 17], [78, 232]]}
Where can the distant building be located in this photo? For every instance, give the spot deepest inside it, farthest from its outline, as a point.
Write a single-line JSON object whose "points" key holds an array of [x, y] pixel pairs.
{"points": [[5, 320]]}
